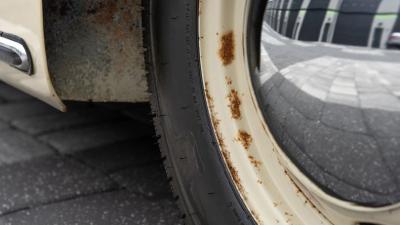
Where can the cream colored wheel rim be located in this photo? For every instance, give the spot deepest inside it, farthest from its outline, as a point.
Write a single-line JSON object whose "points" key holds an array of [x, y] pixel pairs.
{"points": [[273, 189]]}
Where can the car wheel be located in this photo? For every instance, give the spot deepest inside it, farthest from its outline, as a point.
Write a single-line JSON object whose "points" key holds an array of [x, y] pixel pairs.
{"points": [[227, 145]]}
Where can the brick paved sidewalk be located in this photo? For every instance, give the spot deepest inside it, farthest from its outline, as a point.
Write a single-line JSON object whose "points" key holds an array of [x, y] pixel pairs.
{"points": [[95, 165]]}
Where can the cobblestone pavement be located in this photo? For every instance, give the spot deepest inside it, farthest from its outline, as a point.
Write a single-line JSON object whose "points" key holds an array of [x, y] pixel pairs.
{"points": [[98, 164], [335, 110]]}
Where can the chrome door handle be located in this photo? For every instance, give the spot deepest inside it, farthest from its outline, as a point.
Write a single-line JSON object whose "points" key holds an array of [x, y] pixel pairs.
{"points": [[15, 52]]}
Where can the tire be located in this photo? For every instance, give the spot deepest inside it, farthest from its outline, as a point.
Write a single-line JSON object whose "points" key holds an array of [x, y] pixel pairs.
{"points": [[199, 178]]}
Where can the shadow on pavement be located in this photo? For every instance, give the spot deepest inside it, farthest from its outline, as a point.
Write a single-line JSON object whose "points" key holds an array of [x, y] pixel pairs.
{"points": [[96, 164]]}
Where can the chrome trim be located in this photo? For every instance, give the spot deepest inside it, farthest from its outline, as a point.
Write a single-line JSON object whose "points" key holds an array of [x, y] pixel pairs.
{"points": [[19, 49]]}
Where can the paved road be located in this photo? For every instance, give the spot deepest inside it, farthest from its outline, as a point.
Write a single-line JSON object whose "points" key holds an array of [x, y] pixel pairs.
{"points": [[95, 165], [335, 110]]}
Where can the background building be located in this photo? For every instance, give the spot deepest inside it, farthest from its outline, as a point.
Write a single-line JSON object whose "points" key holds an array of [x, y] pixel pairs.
{"points": [[350, 22]]}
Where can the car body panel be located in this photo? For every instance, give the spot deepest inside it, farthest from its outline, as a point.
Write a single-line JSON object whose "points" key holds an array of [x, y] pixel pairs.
{"points": [[81, 50], [24, 19], [95, 50]]}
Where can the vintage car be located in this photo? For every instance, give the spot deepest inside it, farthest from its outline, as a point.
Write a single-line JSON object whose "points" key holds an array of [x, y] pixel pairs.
{"points": [[267, 111]]}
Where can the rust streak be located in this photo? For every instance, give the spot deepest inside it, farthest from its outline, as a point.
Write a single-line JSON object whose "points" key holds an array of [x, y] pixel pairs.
{"points": [[256, 163], [226, 154], [308, 200], [104, 12], [245, 139], [227, 49], [228, 80], [256, 216], [234, 104]]}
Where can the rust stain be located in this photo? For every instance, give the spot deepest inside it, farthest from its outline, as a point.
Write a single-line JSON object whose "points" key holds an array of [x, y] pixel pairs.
{"points": [[264, 128], [104, 12], [108, 35], [227, 49], [199, 7], [256, 216], [288, 214], [110, 14], [245, 139], [228, 80], [308, 200], [119, 19], [234, 104], [208, 96], [256, 163], [234, 173], [216, 123]]}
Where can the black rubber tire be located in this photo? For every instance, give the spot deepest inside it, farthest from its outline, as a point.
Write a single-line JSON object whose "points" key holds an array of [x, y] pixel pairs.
{"points": [[199, 178]]}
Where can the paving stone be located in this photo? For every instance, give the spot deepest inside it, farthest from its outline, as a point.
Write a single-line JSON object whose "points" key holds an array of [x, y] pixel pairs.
{"points": [[149, 181], [383, 123], [382, 101], [111, 156], [391, 157], [309, 106], [121, 155], [114, 208], [139, 112], [4, 125], [16, 146], [90, 108], [74, 140], [47, 179], [54, 122], [11, 94], [9, 112], [345, 118], [352, 157]]}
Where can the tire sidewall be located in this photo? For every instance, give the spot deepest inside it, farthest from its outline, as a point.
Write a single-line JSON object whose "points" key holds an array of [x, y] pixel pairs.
{"points": [[194, 160]]}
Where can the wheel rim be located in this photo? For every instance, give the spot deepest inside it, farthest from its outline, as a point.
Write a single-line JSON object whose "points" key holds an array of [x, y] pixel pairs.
{"points": [[271, 186]]}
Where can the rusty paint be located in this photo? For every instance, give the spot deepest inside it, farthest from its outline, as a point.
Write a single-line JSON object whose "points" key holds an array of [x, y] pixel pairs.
{"points": [[228, 80], [256, 163], [210, 100], [256, 217], [288, 214], [103, 11], [264, 128], [200, 7], [227, 49], [254, 101], [245, 139], [95, 49], [308, 200], [226, 154], [234, 104]]}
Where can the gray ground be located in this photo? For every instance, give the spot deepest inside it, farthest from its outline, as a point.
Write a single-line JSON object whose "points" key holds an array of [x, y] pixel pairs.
{"points": [[335, 110], [95, 165]]}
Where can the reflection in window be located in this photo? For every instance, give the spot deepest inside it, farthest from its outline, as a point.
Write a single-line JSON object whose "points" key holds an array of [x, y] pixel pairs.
{"points": [[370, 23]]}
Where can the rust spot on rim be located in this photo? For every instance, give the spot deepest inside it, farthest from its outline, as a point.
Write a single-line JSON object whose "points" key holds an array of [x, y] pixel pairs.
{"points": [[308, 200], [226, 154], [256, 216], [256, 163], [234, 104], [228, 80], [245, 139], [227, 50]]}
